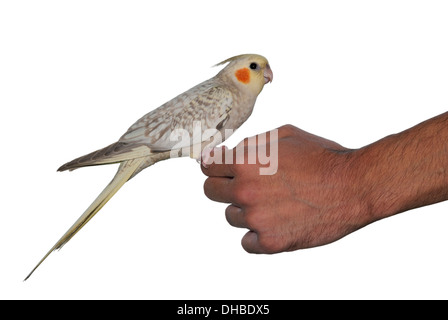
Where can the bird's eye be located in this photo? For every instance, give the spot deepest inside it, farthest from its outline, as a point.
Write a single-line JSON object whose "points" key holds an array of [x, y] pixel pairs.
{"points": [[253, 66]]}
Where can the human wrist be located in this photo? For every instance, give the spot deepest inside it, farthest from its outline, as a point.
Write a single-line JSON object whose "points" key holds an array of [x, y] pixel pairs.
{"points": [[406, 170], [356, 187], [375, 183]]}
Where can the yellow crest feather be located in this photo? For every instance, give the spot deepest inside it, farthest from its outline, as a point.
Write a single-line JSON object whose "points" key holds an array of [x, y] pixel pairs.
{"points": [[235, 58]]}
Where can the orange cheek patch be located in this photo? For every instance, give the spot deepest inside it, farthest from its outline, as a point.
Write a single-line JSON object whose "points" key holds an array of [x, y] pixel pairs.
{"points": [[243, 75]]}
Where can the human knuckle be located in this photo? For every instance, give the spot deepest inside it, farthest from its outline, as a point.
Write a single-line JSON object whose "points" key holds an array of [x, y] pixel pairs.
{"points": [[229, 214], [208, 189], [244, 193], [288, 128], [252, 218], [270, 244]]}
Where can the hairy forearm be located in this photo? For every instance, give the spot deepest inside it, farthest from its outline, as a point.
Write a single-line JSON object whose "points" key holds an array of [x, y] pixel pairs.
{"points": [[406, 170]]}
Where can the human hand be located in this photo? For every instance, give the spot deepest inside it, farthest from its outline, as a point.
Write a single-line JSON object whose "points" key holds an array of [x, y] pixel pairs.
{"points": [[310, 201]]}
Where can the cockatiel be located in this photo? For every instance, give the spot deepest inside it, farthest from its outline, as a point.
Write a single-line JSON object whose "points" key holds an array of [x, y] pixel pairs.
{"points": [[223, 102]]}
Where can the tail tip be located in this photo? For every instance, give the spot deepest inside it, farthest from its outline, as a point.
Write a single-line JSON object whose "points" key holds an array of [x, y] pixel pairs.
{"points": [[62, 168], [29, 275]]}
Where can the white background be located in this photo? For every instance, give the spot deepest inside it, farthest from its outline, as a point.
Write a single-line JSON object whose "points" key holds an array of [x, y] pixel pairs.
{"points": [[74, 75]]}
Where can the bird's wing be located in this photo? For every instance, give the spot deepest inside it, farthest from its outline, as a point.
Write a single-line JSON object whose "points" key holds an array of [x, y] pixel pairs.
{"points": [[205, 105], [114, 153]]}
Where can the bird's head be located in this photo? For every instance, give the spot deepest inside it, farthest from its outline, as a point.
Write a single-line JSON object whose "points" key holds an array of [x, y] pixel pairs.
{"points": [[249, 72]]}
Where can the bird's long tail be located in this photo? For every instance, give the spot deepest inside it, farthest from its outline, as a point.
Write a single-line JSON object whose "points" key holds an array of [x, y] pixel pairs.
{"points": [[124, 173]]}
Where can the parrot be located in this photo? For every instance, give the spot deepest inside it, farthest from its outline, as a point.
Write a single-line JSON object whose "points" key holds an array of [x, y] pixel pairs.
{"points": [[222, 102]]}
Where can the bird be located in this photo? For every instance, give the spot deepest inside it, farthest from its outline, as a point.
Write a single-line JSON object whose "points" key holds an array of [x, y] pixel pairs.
{"points": [[222, 102]]}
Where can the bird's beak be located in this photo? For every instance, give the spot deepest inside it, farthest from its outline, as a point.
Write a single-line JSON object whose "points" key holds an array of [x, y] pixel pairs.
{"points": [[268, 75]]}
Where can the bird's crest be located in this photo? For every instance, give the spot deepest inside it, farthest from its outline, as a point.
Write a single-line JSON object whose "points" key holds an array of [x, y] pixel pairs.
{"points": [[232, 59]]}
